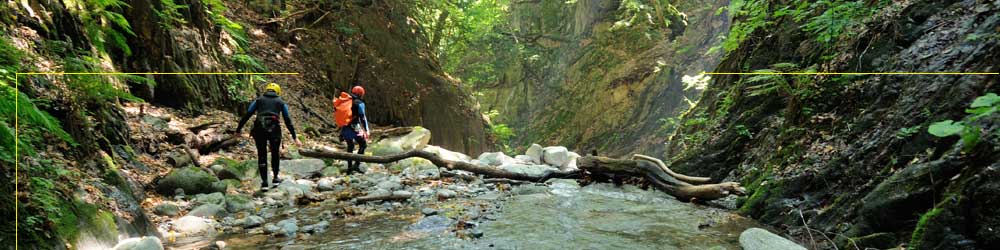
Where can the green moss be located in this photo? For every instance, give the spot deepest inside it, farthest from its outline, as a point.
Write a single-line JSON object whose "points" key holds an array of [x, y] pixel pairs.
{"points": [[918, 233]]}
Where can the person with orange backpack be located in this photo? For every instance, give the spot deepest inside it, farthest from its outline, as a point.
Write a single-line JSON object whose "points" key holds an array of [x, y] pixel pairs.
{"points": [[349, 113]]}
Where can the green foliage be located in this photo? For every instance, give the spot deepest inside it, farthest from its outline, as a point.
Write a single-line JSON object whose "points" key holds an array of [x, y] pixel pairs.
{"points": [[471, 45], [31, 119], [103, 23], [94, 89], [907, 132], [748, 16], [743, 131], [216, 10], [838, 18], [169, 14], [967, 128]]}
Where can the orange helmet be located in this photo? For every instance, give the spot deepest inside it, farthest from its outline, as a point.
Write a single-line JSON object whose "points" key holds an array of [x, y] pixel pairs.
{"points": [[358, 90]]}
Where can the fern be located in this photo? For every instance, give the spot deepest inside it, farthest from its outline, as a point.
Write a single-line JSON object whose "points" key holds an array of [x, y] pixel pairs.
{"points": [[247, 63], [170, 15]]}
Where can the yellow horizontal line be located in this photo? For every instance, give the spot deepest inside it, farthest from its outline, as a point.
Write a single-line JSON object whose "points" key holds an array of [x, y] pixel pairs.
{"points": [[158, 73], [851, 73]]}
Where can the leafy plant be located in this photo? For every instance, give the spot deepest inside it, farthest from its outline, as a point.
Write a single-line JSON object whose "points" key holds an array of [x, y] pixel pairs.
{"points": [[743, 131], [103, 24], [750, 15], [170, 15], [503, 134], [967, 129], [907, 132], [838, 17]]}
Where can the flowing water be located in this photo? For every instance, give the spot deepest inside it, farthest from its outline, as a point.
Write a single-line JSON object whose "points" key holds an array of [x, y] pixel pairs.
{"points": [[564, 215]]}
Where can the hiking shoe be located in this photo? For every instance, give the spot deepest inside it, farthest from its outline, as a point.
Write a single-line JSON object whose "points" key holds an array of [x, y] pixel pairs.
{"points": [[276, 181]]}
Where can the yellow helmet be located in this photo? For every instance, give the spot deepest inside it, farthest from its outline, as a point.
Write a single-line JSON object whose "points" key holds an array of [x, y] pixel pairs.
{"points": [[273, 87]]}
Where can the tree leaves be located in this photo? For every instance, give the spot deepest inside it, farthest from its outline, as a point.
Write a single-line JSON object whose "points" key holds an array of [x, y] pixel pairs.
{"points": [[946, 128], [990, 99]]}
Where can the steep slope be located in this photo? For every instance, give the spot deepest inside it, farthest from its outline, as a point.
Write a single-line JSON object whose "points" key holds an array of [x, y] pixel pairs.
{"points": [[850, 155], [605, 74]]}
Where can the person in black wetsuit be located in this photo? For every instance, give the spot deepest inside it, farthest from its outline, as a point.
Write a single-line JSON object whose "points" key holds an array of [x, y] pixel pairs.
{"points": [[266, 131]]}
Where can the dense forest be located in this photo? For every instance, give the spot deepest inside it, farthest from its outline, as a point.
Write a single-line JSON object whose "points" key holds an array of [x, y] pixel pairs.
{"points": [[506, 124]]}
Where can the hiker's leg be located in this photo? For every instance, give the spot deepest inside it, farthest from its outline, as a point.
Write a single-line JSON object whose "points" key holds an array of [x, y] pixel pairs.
{"points": [[350, 149], [361, 150], [261, 145], [275, 143]]}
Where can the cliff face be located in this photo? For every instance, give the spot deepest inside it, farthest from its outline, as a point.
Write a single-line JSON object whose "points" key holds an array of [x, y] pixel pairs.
{"points": [[604, 74], [851, 154]]}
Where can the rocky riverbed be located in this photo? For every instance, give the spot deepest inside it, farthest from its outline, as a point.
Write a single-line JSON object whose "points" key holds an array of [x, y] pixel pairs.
{"points": [[414, 204]]}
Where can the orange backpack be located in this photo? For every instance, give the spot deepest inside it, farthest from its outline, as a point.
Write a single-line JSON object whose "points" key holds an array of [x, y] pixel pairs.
{"points": [[342, 109]]}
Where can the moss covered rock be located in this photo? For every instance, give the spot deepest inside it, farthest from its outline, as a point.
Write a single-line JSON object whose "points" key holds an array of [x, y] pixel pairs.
{"points": [[192, 180]]}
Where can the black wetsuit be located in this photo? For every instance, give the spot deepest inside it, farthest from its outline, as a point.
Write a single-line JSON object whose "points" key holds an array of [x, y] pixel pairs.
{"points": [[266, 130]]}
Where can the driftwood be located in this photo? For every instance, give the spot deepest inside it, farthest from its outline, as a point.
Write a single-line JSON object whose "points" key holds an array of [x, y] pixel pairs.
{"points": [[650, 170], [390, 197], [193, 155], [659, 178], [436, 160], [681, 177]]}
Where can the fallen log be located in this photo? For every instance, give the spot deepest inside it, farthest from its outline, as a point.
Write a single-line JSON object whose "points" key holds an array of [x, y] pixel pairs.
{"points": [[390, 197], [436, 160], [684, 178], [659, 178], [587, 164]]}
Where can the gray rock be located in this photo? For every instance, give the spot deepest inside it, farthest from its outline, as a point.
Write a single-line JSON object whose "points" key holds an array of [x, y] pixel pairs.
{"points": [[288, 227], [208, 211], [415, 140], [391, 184], [535, 152], [555, 156], [143, 243], [222, 186], [303, 168], [760, 239], [216, 168], [529, 189], [212, 198], [446, 194], [523, 159], [239, 203], [237, 170], [534, 170], [428, 211], [192, 225], [325, 184], [271, 228], [167, 209], [252, 221], [495, 159], [434, 223], [475, 233], [191, 179], [319, 227]]}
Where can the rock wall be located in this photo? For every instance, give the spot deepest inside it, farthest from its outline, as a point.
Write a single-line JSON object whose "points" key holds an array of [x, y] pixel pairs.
{"points": [[593, 79], [851, 155], [377, 45]]}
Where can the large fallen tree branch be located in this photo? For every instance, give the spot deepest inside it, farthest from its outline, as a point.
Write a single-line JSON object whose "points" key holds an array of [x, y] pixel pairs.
{"points": [[659, 178], [435, 159], [684, 178], [646, 169]]}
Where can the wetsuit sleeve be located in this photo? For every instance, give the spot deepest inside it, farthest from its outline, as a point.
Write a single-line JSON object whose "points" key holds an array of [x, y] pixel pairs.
{"points": [[246, 117], [288, 119], [363, 116]]}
